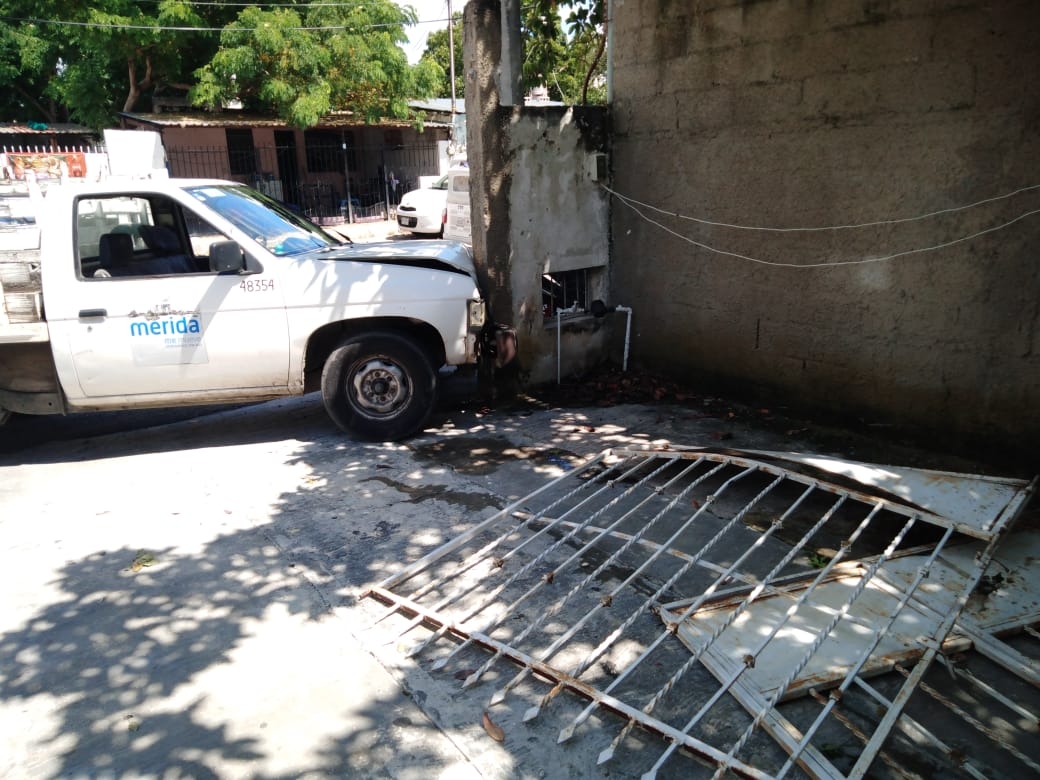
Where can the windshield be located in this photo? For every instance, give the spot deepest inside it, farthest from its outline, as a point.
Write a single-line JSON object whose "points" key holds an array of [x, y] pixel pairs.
{"points": [[265, 220], [441, 183]]}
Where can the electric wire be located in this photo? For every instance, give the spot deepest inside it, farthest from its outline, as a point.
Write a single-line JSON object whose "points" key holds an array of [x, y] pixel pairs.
{"points": [[186, 28], [858, 261], [897, 221]]}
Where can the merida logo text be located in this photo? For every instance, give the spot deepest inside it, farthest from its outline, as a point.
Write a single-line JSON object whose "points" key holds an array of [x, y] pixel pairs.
{"points": [[171, 326]]}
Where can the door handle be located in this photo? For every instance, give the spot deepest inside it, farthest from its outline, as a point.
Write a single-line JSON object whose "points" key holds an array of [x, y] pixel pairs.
{"points": [[88, 314]]}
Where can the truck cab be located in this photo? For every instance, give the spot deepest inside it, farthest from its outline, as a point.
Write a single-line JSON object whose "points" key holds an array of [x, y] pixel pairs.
{"points": [[192, 292]]}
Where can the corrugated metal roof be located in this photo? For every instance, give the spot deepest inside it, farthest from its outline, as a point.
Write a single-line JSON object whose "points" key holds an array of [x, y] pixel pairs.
{"points": [[236, 119], [48, 129]]}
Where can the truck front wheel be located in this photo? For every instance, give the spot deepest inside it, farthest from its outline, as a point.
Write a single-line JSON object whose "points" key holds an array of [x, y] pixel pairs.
{"points": [[379, 387]]}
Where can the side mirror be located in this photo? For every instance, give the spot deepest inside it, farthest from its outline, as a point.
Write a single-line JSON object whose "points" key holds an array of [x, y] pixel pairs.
{"points": [[226, 257]]}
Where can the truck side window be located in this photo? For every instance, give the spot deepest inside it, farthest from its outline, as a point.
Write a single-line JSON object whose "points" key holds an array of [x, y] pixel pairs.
{"points": [[201, 234], [132, 236]]}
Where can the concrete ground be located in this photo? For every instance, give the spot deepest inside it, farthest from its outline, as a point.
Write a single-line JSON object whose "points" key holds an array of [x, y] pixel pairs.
{"points": [[183, 600]]}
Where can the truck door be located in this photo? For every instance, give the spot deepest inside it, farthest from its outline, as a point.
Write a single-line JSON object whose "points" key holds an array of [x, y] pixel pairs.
{"points": [[144, 316]]}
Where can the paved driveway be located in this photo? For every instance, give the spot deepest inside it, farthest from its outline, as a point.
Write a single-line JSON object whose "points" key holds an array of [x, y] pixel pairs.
{"points": [[183, 600]]}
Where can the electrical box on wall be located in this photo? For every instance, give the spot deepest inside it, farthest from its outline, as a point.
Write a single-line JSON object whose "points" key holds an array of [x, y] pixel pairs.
{"points": [[596, 166]]}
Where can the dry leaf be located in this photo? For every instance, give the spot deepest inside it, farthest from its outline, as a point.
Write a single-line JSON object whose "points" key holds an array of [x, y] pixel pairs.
{"points": [[493, 729], [143, 559]]}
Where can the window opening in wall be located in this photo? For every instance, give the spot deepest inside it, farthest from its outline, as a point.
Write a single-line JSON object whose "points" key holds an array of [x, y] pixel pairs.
{"points": [[241, 156], [565, 292], [324, 151]]}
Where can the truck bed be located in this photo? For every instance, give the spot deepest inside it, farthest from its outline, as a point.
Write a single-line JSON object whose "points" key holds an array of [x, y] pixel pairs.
{"points": [[21, 294]]}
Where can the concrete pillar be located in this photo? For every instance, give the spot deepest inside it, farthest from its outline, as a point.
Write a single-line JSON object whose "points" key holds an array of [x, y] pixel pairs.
{"points": [[487, 153], [510, 70]]}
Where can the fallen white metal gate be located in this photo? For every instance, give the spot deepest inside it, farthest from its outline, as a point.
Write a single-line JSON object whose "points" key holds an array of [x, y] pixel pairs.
{"points": [[665, 585]]}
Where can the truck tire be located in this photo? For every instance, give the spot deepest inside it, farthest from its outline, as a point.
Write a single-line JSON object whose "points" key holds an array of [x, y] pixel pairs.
{"points": [[379, 386]]}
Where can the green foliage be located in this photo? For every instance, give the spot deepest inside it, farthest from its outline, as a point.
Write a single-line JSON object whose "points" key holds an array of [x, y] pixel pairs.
{"points": [[300, 62], [570, 62], [331, 58], [437, 55], [83, 61]]}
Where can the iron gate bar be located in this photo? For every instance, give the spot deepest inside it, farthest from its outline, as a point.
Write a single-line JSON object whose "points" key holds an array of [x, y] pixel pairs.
{"points": [[995, 502], [982, 639], [859, 734], [475, 558], [768, 706], [971, 720], [780, 586], [642, 472], [607, 600], [590, 576], [982, 560], [916, 730], [989, 690], [490, 625], [502, 586], [865, 655], [1001, 653], [481, 554], [672, 626], [544, 670], [723, 576], [435, 555], [924, 608]]}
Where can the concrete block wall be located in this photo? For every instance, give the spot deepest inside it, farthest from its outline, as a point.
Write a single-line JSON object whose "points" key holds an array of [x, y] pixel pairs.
{"points": [[805, 114]]}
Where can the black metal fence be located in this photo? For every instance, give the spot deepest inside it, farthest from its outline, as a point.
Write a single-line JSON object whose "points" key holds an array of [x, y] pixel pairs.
{"points": [[329, 184]]}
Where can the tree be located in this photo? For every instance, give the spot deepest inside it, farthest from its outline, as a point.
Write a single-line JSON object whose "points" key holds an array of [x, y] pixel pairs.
{"points": [[438, 52], [333, 56], [571, 65], [86, 60]]}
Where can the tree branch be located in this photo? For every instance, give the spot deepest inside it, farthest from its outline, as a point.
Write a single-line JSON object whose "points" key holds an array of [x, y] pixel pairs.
{"points": [[592, 67], [137, 87]]}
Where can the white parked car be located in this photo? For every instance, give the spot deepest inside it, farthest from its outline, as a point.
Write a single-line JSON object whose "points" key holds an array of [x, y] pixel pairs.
{"points": [[422, 210]]}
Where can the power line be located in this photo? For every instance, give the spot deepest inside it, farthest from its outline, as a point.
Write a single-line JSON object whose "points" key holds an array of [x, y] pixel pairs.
{"points": [[897, 221], [828, 264], [172, 28]]}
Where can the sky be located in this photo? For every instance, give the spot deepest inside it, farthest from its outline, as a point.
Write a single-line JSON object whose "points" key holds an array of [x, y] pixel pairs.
{"points": [[433, 15]]}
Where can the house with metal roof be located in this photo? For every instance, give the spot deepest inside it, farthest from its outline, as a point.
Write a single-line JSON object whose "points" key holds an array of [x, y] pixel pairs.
{"points": [[341, 170]]}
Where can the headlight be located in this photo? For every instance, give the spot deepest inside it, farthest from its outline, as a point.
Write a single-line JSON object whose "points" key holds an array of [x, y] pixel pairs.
{"points": [[476, 314]]}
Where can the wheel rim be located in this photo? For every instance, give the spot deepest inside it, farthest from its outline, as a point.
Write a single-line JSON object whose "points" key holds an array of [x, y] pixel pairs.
{"points": [[380, 386]]}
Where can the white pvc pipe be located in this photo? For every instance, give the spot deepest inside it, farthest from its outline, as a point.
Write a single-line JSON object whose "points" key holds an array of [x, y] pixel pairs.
{"points": [[559, 325], [628, 334]]}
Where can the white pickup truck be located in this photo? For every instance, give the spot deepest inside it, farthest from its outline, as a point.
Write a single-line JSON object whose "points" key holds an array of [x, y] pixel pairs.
{"points": [[172, 292]]}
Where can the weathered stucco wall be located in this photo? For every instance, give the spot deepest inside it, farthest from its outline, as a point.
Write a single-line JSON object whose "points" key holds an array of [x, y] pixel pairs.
{"points": [[800, 113], [534, 208]]}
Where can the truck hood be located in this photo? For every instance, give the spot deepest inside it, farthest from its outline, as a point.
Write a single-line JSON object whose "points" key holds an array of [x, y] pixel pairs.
{"points": [[446, 255]]}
